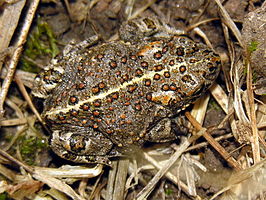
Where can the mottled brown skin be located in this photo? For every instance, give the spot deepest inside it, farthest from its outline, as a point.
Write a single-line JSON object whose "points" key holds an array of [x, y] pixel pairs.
{"points": [[108, 99]]}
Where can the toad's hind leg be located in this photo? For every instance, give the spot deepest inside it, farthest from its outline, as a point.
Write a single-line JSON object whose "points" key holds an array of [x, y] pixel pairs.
{"points": [[161, 132], [167, 129]]}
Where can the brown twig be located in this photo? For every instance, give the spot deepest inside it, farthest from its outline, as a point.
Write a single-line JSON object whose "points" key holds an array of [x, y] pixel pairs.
{"points": [[192, 26], [253, 121], [44, 177], [26, 77], [202, 144], [169, 175], [120, 181], [117, 180], [9, 19], [144, 193], [230, 23], [28, 99], [214, 143], [142, 9], [15, 57], [9, 157]]}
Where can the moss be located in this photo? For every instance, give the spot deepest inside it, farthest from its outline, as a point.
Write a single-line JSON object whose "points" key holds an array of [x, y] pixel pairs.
{"points": [[30, 146], [3, 196], [254, 77], [168, 191], [253, 46], [41, 42], [213, 105]]}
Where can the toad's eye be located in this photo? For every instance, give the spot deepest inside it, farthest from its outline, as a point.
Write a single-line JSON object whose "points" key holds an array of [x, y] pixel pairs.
{"points": [[149, 23], [46, 81]]}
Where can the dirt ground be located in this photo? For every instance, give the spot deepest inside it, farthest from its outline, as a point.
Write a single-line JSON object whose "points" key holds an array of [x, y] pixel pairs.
{"points": [[234, 115]]}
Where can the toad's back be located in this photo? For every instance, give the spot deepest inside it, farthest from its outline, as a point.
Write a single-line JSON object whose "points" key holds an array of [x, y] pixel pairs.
{"points": [[118, 88]]}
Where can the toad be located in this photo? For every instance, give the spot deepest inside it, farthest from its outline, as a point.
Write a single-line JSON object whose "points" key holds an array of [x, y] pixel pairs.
{"points": [[107, 99]]}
